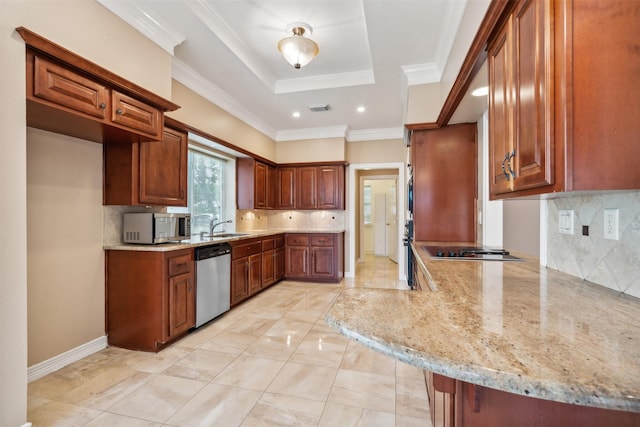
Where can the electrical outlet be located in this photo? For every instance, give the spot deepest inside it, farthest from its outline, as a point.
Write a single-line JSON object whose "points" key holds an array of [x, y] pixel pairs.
{"points": [[611, 217], [565, 222]]}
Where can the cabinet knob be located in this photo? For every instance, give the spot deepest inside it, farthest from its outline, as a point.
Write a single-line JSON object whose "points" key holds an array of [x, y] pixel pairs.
{"points": [[103, 106], [119, 111]]}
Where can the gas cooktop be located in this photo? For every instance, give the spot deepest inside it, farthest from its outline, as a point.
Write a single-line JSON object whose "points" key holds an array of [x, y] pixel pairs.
{"points": [[470, 253]]}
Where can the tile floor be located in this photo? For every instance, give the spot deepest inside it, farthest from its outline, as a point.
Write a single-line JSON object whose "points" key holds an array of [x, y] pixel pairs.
{"points": [[272, 361]]}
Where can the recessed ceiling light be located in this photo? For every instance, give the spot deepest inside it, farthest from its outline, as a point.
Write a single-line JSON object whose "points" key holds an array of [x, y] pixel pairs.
{"points": [[295, 114], [361, 109], [481, 91]]}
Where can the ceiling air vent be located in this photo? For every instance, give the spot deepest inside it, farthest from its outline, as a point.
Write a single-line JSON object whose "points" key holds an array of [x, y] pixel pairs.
{"points": [[319, 107]]}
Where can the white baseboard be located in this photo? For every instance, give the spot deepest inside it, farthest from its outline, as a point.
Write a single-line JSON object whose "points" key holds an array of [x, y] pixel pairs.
{"points": [[48, 366]]}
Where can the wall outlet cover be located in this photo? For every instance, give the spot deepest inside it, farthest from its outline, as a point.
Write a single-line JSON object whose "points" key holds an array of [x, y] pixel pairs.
{"points": [[611, 226], [565, 221]]}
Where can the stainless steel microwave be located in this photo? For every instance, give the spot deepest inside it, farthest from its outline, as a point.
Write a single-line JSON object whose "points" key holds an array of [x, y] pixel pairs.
{"points": [[151, 228]]}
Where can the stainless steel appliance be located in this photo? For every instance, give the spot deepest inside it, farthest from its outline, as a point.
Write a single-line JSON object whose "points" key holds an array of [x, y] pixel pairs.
{"points": [[151, 228], [408, 240], [467, 253], [213, 281]]}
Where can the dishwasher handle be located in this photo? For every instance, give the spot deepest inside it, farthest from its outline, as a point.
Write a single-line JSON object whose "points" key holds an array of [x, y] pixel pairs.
{"points": [[212, 251]]}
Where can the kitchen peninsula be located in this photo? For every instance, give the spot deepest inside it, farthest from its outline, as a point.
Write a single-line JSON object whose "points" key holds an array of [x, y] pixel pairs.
{"points": [[509, 343]]}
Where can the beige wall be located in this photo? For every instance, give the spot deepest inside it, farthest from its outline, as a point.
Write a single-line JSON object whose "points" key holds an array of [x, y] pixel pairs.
{"points": [[379, 151], [207, 117], [311, 150], [424, 103], [88, 29], [64, 244]]}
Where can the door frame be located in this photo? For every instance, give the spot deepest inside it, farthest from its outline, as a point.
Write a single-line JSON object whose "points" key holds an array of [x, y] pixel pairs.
{"points": [[361, 212], [354, 215]]}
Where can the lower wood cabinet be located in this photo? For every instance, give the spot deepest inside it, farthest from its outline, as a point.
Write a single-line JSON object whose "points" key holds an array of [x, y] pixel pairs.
{"points": [[255, 265], [314, 256], [150, 297], [455, 403]]}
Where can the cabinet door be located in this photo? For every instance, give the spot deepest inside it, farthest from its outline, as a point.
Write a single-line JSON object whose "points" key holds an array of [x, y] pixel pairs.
{"points": [[268, 268], [278, 256], [297, 261], [286, 188], [260, 188], [181, 304], [163, 170], [254, 273], [330, 187], [500, 111], [533, 80], [306, 188], [239, 280], [69, 90], [272, 187], [136, 115], [322, 262]]}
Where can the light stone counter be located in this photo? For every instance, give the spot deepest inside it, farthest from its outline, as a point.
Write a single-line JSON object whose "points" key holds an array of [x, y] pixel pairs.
{"points": [[511, 326], [196, 241]]}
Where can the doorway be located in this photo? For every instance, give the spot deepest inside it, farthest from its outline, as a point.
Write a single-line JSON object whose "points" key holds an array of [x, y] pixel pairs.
{"points": [[358, 173], [379, 216]]}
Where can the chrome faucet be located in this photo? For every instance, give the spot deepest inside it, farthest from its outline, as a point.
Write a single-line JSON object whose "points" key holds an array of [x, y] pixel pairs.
{"points": [[214, 224]]}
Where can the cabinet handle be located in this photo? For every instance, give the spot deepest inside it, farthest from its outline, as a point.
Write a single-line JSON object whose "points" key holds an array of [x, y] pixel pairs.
{"points": [[511, 156], [103, 106], [182, 194], [119, 111], [504, 169], [181, 264]]}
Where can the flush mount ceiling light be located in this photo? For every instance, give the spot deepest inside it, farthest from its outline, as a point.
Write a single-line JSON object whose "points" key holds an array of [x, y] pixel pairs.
{"points": [[297, 49]]}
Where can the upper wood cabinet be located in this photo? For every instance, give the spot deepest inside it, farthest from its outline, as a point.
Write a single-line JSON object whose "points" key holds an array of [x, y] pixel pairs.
{"points": [[563, 103], [320, 187], [444, 164], [286, 193], [256, 184], [69, 95], [147, 173]]}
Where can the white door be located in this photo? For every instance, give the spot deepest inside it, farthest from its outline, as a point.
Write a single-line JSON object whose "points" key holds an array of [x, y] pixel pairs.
{"points": [[392, 221], [380, 224]]}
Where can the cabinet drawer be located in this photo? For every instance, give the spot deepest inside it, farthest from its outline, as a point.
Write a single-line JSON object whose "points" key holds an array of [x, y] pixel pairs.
{"points": [[297, 240], [279, 242], [267, 244], [322, 240], [180, 264], [246, 249]]}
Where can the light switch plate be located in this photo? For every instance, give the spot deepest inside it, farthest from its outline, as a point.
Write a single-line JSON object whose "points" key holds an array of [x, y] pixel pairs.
{"points": [[611, 226], [565, 221]]}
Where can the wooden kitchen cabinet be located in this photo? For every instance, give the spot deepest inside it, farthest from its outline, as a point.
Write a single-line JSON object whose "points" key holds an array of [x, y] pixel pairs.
{"points": [[320, 187], [315, 256], [256, 184], [272, 260], [147, 173], [562, 102], [69, 95], [286, 195], [444, 183], [455, 403], [150, 297], [246, 269]]}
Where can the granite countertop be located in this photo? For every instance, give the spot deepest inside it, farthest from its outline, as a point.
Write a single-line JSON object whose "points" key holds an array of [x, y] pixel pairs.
{"points": [[511, 326], [195, 241]]}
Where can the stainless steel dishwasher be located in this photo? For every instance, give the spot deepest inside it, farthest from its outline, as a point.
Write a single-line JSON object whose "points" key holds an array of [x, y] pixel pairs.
{"points": [[213, 281]]}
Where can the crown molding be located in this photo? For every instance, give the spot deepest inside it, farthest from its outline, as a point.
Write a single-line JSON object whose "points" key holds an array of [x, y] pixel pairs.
{"points": [[312, 133], [419, 74], [203, 87], [153, 27], [452, 19], [375, 134]]}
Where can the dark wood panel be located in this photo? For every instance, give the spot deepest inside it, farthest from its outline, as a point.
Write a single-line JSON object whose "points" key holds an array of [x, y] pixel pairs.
{"points": [[445, 168]]}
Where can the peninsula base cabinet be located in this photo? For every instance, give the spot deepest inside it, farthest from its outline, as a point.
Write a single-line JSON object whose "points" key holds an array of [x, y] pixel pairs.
{"points": [[150, 298], [455, 403], [314, 256]]}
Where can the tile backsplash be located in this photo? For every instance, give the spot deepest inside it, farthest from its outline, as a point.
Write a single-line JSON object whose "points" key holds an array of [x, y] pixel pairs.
{"points": [[611, 263], [290, 220]]}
